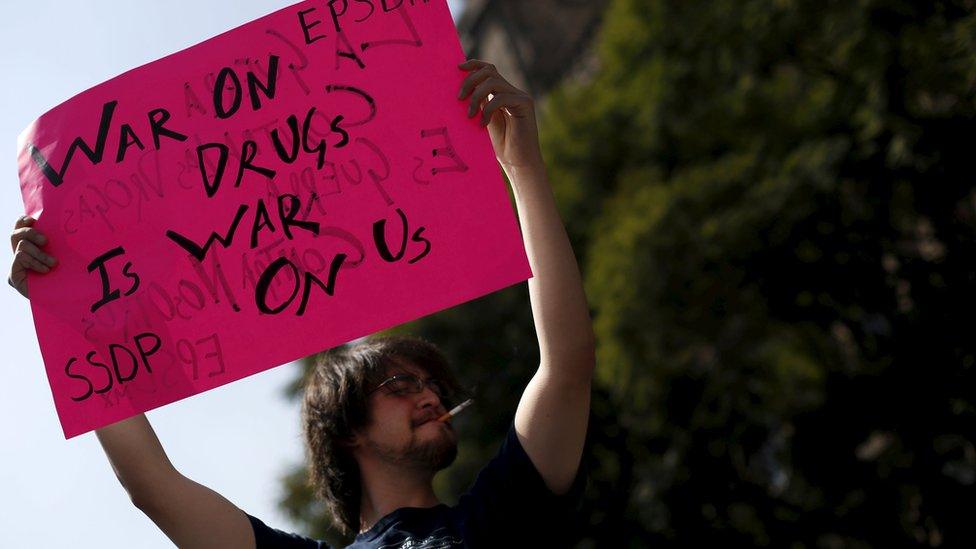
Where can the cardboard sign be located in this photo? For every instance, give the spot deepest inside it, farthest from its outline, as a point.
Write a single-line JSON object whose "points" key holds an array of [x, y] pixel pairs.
{"points": [[303, 180]]}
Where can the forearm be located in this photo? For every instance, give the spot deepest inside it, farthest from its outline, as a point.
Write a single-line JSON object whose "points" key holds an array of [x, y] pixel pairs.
{"points": [[559, 307], [189, 513], [136, 456]]}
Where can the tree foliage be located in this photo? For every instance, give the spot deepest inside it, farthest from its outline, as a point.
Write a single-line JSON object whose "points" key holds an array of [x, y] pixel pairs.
{"points": [[772, 207]]}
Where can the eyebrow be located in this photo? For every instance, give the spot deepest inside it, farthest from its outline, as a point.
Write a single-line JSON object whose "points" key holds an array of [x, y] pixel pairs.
{"points": [[403, 372]]}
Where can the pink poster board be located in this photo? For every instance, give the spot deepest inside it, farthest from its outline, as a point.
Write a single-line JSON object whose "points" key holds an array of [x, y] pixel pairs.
{"points": [[331, 187]]}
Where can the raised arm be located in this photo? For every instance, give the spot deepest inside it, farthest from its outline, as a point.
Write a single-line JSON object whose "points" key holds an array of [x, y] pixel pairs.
{"points": [[552, 415], [190, 514]]}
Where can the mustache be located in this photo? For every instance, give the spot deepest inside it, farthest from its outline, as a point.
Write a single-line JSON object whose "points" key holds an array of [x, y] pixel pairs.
{"points": [[430, 416]]}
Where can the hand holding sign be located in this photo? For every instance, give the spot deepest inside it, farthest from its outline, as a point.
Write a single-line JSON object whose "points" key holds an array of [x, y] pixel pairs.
{"points": [[26, 243], [508, 112]]}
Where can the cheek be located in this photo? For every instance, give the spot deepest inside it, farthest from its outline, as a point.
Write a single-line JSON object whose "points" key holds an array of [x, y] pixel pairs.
{"points": [[391, 425]]}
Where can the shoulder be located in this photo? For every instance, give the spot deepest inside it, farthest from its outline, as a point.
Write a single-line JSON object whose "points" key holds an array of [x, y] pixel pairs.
{"points": [[523, 468], [509, 500], [511, 477]]}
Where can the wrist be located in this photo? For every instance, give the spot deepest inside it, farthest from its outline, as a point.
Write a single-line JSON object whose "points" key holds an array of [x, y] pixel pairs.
{"points": [[525, 173]]}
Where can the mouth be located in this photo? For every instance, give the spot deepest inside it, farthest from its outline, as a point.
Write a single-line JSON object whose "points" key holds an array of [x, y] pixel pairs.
{"points": [[433, 420]]}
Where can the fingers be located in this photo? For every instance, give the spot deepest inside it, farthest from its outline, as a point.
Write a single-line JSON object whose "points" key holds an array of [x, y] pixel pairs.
{"points": [[21, 239], [474, 79], [20, 227], [492, 86], [24, 221], [27, 233], [514, 102], [35, 253], [25, 260], [26, 242], [481, 83], [472, 64]]}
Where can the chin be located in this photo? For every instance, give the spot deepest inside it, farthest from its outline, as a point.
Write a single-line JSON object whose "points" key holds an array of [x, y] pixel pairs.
{"points": [[439, 452], [447, 458]]}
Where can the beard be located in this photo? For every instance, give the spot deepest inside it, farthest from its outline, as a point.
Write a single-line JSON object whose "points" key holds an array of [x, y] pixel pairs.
{"points": [[429, 454], [436, 454]]}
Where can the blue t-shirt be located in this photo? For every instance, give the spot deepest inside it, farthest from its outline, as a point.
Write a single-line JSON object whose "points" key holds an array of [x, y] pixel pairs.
{"points": [[508, 505]]}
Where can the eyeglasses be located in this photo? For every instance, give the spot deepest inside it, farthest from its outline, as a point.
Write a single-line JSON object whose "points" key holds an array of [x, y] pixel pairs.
{"points": [[402, 384]]}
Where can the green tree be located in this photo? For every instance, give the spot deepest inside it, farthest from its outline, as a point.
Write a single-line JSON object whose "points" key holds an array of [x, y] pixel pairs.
{"points": [[772, 206], [778, 227]]}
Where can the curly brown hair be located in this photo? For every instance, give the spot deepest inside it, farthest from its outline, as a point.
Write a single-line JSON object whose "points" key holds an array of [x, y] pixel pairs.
{"points": [[335, 407]]}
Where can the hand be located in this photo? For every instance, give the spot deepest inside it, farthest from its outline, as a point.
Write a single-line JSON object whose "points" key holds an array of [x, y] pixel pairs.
{"points": [[25, 241], [508, 112]]}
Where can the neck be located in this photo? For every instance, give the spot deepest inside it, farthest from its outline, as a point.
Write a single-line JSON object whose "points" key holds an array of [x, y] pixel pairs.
{"points": [[386, 489]]}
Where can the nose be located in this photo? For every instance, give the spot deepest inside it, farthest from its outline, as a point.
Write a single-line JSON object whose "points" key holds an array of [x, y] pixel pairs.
{"points": [[427, 397]]}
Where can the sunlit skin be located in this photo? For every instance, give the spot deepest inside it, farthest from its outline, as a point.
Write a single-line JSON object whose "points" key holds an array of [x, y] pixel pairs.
{"points": [[398, 455]]}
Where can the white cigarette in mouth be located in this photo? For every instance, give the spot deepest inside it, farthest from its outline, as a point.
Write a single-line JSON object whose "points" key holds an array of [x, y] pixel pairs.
{"points": [[455, 410]]}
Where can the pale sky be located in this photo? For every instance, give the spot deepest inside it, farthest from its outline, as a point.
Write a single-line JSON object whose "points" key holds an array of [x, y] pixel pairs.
{"points": [[237, 439]]}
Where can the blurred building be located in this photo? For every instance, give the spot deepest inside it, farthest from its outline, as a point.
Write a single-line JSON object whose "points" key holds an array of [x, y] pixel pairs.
{"points": [[534, 43]]}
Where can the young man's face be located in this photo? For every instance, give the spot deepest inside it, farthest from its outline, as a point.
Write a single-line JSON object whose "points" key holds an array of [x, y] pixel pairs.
{"points": [[404, 429]]}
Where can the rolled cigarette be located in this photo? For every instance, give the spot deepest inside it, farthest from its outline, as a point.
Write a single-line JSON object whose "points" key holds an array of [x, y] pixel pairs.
{"points": [[455, 410]]}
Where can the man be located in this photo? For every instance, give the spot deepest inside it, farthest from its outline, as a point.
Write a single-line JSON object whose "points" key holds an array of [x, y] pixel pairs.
{"points": [[372, 447]]}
